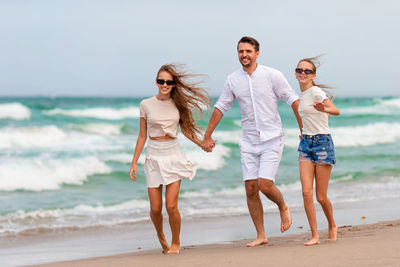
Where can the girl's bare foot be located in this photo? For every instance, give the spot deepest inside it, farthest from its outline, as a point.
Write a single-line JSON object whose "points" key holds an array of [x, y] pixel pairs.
{"points": [[313, 241], [164, 244], [333, 233], [257, 242], [174, 249]]}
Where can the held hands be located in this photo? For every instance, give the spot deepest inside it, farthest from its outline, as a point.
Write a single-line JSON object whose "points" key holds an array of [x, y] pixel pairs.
{"points": [[208, 144], [132, 172], [320, 106]]}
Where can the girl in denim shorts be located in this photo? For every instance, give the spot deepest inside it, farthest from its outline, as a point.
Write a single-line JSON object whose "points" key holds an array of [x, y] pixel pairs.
{"points": [[316, 149]]}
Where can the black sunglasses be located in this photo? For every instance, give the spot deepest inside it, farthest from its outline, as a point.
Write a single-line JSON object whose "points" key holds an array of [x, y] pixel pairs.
{"points": [[161, 82], [298, 70]]}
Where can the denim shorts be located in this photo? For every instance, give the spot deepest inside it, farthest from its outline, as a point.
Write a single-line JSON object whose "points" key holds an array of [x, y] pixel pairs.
{"points": [[319, 149]]}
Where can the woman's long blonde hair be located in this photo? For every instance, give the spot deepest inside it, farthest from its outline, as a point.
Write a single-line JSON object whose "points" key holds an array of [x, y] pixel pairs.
{"points": [[189, 98]]}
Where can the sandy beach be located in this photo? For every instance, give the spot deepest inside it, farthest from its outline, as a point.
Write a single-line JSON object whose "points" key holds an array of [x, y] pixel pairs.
{"points": [[368, 235], [367, 245]]}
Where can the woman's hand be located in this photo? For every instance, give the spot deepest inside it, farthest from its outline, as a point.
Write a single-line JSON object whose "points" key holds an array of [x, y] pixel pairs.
{"points": [[132, 172]]}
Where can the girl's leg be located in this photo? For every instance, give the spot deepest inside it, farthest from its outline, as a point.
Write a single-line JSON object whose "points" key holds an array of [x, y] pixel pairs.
{"points": [[307, 170], [155, 196], [171, 199], [322, 175]]}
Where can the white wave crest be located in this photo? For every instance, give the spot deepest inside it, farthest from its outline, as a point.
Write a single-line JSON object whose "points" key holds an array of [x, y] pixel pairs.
{"points": [[209, 161], [381, 107], [48, 174], [353, 136], [14, 111], [206, 193], [99, 113], [32, 137], [105, 129], [395, 102], [80, 216], [227, 137]]}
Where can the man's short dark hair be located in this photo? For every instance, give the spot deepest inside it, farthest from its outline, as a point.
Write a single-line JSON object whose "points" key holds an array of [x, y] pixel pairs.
{"points": [[250, 40]]}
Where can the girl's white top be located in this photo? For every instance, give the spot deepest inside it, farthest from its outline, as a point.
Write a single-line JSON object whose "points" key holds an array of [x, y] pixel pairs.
{"points": [[314, 121], [162, 117]]}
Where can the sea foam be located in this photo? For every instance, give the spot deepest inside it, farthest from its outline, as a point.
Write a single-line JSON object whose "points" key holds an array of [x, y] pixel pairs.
{"points": [[105, 129], [381, 107], [45, 173], [44, 136], [353, 136], [99, 113], [14, 111]]}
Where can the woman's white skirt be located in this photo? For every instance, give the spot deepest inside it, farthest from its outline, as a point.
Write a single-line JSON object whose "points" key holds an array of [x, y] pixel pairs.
{"points": [[166, 163]]}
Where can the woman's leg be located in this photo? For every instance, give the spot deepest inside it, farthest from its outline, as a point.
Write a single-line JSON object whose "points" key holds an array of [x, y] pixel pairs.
{"points": [[322, 175], [155, 196], [307, 170], [171, 199]]}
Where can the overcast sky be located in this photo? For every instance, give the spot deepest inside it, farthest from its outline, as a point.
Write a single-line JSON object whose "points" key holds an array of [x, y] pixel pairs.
{"points": [[114, 48]]}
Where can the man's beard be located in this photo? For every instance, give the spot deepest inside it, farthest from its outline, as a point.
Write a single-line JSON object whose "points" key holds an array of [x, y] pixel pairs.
{"points": [[245, 65]]}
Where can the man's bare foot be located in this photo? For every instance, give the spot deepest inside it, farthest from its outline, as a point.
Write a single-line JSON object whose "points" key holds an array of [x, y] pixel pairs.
{"points": [[164, 243], [333, 233], [286, 219], [174, 249], [257, 242], [313, 241]]}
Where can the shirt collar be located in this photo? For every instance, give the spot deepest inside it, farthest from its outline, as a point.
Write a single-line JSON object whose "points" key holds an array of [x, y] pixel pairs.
{"points": [[254, 72]]}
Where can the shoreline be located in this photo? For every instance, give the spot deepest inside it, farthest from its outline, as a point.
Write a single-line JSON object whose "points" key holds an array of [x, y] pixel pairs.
{"points": [[372, 244], [59, 246]]}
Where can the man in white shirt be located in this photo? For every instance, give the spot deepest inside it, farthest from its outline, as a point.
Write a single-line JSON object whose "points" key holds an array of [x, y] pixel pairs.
{"points": [[257, 89]]}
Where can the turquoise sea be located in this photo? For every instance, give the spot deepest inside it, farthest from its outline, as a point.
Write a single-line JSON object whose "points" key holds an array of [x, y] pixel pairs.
{"points": [[64, 163]]}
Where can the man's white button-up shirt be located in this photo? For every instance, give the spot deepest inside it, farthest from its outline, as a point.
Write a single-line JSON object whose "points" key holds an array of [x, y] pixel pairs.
{"points": [[257, 96]]}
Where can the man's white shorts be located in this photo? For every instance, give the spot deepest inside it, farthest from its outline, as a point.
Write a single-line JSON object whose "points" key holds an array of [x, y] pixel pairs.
{"points": [[261, 160]]}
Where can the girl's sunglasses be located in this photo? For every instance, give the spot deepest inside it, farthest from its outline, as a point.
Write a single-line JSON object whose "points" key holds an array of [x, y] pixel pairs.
{"points": [[161, 82], [300, 71]]}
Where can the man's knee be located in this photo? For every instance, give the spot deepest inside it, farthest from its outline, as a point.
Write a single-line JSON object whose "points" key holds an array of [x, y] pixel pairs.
{"points": [[252, 189], [265, 185]]}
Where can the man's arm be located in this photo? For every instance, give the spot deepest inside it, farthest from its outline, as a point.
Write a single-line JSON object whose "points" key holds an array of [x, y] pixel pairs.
{"points": [[295, 108], [208, 143]]}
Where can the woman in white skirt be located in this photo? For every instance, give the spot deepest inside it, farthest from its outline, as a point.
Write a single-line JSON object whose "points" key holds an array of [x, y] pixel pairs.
{"points": [[165, 162]]}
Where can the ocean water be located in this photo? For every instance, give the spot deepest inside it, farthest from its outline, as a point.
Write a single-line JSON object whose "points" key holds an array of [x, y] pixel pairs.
{"points": [[64, 163]]}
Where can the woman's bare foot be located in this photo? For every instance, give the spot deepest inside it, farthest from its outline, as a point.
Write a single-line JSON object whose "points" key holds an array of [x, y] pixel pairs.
{"points": [[174, 249], [333, 233], [258, 241], [313, 241], [286, 219], [164, 244]]}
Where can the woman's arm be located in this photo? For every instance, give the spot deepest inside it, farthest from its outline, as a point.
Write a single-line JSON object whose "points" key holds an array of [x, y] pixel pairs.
{"points": [[327, 106], [138, 148]]}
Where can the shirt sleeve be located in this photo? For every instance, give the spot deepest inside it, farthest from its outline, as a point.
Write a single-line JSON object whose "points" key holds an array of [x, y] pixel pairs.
{"points": [[226, 100], [142, 111], [319, 95], [283, 89]]}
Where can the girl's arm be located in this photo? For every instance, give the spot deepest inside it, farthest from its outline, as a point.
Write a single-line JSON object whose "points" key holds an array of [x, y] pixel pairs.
{"points": [[138, 148], [327, 106]]}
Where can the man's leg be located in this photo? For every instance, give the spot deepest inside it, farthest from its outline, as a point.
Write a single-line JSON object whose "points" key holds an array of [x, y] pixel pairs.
{"points": [[268, 188], [256, 212]]}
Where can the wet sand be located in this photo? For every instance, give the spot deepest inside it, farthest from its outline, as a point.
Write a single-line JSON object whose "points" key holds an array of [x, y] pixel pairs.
{"points": [[366, 245]]}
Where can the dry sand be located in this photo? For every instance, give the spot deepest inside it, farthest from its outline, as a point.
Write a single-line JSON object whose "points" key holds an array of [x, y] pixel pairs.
{"points": [[366, 245]]}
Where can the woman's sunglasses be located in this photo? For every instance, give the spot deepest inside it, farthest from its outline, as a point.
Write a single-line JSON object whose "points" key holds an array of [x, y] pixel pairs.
{"points": [[161, 82], [300, 71]]}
